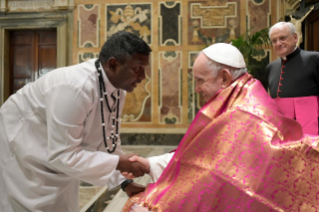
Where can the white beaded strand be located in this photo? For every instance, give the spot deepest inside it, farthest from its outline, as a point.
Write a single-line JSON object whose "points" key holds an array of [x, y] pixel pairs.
{"points": [[115, 119]]}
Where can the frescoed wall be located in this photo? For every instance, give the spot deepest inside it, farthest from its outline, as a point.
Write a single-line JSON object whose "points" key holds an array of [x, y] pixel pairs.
{"points": [[165, 102], [176, 31]]}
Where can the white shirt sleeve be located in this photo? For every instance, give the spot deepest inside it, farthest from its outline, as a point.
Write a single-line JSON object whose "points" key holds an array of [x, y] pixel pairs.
{"points": [[158, 164], [67, 109]]}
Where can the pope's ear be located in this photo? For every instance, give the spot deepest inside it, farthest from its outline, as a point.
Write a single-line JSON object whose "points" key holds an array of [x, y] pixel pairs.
{"points": [[227, 78]]}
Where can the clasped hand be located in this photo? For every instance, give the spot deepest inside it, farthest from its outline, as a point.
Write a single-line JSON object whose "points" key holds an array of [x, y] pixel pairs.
{"points": [[135, 159], [134, 167]]}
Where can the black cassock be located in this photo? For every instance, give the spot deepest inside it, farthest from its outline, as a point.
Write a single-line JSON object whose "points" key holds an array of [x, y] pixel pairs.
{"points": [[294, 84]]}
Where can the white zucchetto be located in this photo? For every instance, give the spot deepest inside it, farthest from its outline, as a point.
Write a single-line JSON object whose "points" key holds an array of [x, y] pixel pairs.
{"points": [[225, 54]]}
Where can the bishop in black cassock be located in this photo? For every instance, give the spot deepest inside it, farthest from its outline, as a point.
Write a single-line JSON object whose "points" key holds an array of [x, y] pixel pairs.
{"points": [[293, 79]]}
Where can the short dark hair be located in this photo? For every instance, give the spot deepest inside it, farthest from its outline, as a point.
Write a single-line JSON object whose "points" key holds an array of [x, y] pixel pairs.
{"points": [[123, 46]]}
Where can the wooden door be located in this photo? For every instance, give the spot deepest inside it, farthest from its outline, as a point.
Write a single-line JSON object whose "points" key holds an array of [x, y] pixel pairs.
{"points": [[32, 54], [313, 31]]}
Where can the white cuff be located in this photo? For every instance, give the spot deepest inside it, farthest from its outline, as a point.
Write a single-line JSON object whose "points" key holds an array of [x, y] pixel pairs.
{"points": [[158, 164]]}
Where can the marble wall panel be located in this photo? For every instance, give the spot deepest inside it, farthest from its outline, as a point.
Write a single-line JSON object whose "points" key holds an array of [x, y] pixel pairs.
{"points": [[176, 31], [150, 139], [133, 17], [258, 14], [213, 21], [170, 23], [138, 104], [82, 57], [170, 86], [88, 25]]}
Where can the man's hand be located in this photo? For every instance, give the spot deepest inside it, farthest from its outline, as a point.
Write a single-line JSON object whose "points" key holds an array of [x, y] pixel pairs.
{"points": [[133, 188], [125, 165], [134, 159]]}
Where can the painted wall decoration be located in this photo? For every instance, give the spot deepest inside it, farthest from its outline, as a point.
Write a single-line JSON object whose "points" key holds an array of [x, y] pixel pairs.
{"points": [[83, 57], [213, 21], [170, 23], [176, 31], [138, 104], [170, 74], [89, 25], [134, 17], [258, 14]]}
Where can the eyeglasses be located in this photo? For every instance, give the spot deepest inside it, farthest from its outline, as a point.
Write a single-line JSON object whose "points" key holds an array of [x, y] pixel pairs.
{"points": [[281, 40]]}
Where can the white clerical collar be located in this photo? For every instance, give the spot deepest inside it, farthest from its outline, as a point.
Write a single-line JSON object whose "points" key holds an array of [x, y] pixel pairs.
{"points": [[285, 58], [108, 85]]}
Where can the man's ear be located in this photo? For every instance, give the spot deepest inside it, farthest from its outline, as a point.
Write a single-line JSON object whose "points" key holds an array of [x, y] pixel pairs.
{"points": [[113, 63], [295, 35], [226, 77]]}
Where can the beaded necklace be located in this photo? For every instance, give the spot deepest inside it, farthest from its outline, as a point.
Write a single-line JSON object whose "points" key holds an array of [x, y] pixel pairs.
{"points": [[115, 120]]}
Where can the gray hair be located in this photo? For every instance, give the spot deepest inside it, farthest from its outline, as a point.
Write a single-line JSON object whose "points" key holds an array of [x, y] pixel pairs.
{"points": [[288, 24], [217, 67]]}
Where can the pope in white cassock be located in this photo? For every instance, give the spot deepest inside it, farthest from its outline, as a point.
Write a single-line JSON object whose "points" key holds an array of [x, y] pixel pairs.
{"points": [[64, 128]]}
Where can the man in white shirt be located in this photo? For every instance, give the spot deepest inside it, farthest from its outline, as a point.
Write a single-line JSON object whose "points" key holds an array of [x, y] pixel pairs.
{"points": [[64, 128]]}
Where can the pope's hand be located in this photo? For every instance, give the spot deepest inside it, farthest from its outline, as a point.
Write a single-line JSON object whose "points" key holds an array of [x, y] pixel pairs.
{"points": [[125, 165], [134, 159], [138, 208]]}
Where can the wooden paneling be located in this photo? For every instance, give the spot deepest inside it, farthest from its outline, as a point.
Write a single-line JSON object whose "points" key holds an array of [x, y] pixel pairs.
{"points": [[33, 53], [313, 31]]}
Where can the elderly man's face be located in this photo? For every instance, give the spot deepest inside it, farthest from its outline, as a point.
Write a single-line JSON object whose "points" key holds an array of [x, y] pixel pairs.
{"points": [[283, 41], [207, 83]]}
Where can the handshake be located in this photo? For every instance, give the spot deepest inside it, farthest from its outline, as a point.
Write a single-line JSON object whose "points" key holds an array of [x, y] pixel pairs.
{"points": [[132, 165]]}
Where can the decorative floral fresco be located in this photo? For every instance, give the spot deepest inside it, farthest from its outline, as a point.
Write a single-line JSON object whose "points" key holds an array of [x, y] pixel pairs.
{"points": [[134, 17], [176, 32], [213, 21]]}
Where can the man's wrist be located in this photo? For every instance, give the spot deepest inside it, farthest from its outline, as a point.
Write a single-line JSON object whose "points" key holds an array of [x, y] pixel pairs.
{"points": [[125, 183]]}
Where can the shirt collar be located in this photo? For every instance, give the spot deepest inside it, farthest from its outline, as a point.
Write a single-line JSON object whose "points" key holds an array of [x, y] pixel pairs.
{"points": [[108, 85], [291, 55]]}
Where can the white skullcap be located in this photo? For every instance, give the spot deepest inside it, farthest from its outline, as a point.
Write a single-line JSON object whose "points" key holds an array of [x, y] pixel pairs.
{"points": [[225, 54]]}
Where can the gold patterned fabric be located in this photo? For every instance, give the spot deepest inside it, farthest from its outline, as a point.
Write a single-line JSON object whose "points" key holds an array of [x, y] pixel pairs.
{"points": [[239, 154]]}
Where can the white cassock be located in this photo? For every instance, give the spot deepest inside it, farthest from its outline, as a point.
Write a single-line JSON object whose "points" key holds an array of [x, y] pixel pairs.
{"points": [[158, 164], [51, 137]]}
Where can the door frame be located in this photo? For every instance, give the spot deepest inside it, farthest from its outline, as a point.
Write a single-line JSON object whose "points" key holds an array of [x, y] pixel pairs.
{"points": [[63, 22], [314, 15]]}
